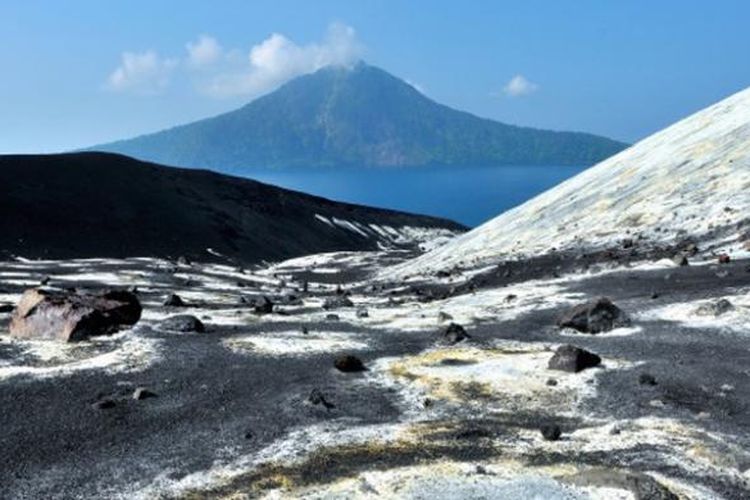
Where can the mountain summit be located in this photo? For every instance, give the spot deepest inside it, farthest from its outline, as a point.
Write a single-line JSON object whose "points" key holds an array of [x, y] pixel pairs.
{"points": [[357, 116]]}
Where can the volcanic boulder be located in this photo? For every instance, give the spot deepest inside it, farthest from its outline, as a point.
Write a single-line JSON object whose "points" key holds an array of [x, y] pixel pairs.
{"points": [[647, 379], [263, 305], [597, 316], [444, 316], [317, 397], [104, 404], [569, 358], [551, 432], [453, 334], [174, 300], [183, 323], [71, 316], [717, 308], [349, 364]]}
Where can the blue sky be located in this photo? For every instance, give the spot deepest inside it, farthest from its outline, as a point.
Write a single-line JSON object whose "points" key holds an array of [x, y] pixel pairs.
{"points": [[77, 73]]}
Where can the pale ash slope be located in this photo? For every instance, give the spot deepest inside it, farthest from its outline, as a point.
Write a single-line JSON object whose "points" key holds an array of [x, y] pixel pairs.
{"points": [[686, 181]]}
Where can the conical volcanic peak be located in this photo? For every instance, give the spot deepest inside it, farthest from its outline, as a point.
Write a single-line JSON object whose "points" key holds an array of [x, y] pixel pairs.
{"points": [[354, 116]]}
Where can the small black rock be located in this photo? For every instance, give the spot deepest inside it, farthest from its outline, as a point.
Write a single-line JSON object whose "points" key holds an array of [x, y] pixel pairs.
{"points": [[263, 305], [444, 316], [569, 358], [316, 397], [363, 313], [291, 299], [646, 379], [104, 404], [174, 300], [453, 334], [183, 323], [349, 364], [332, 317], [551, 432]]}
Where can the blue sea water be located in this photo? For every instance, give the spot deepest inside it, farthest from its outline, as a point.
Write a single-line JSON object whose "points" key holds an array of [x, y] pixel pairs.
{"points": [[467, 195]]}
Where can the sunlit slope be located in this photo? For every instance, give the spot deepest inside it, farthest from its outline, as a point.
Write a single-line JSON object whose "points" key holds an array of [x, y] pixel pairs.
{"points": [[690, 180]]}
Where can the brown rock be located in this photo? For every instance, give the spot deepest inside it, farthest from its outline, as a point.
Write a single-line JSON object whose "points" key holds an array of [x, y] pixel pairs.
{"points": [[597, 316], [71, 316]]}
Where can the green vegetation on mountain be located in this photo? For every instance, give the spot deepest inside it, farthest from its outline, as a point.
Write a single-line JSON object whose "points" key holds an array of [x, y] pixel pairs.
{"points": [[357, 116]]}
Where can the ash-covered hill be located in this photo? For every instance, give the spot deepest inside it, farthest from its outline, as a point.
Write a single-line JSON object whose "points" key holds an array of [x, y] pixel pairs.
{"points": [[687, 183], [106, 205], [354, 117]]}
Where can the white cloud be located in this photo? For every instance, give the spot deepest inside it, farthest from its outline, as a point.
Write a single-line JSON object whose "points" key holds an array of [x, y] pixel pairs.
{"points": [[203, 52], [519, 86], [230, 73], [278, 59], [143, 73]]}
